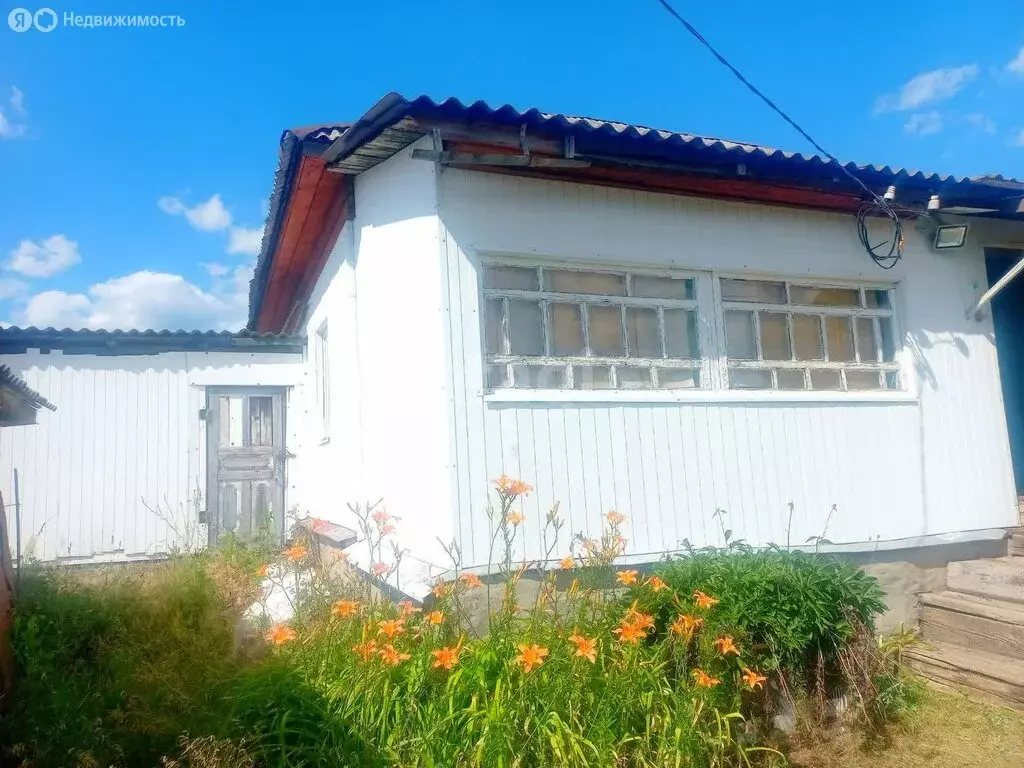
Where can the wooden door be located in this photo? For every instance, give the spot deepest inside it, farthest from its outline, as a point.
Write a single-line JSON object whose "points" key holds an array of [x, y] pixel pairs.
{"points": [[245, 462]]}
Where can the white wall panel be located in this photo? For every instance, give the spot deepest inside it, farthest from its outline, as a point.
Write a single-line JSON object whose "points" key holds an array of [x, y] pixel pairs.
{"points": [[126, 439], [935, 462]]}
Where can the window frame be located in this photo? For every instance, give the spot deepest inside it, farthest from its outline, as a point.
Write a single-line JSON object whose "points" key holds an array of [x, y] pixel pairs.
{"points": [[546, 298], [713, 364], [322, 373]]}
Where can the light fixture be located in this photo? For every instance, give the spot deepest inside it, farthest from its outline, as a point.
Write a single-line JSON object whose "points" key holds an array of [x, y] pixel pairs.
{"points": [[934, 203], [950, 236], [890, 194]]}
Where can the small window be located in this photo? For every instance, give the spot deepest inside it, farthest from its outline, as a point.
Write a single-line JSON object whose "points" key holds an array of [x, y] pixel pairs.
{"points": [[321, 363], [547, 328]]}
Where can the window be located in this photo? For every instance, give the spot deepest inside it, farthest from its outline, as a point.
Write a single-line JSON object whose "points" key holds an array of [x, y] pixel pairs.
{"points": [[321, 363], [555, 327], [552, 328], [792, 336]]}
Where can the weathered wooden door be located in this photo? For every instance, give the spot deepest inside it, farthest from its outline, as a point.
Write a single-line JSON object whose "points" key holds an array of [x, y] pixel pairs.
{"points": [[245, 461]]}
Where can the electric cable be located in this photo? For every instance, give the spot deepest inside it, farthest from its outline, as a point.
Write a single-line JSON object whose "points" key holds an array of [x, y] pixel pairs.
{"points": [[879, 205]]}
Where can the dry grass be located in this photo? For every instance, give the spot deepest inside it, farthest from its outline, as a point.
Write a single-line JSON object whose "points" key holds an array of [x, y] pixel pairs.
{"points": [[949, 731]]}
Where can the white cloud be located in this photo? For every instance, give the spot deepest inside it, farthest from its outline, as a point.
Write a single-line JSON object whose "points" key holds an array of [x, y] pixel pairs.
{"points": [[208, 216], [927, 88], [981, 122], [1018, 138], [12, 127], [245, 240], [11, 288], [923, 124], [50, 257], [1017, 65], [215, 270], [143, 300]]}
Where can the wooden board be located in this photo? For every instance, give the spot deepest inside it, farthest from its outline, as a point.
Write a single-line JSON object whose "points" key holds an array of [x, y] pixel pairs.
{"points": [[996, 677], [6, 616], [1001, 578], [974, 623]]}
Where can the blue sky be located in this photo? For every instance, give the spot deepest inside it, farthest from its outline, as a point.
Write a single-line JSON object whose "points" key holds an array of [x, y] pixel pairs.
{"points": [[136, 164]]}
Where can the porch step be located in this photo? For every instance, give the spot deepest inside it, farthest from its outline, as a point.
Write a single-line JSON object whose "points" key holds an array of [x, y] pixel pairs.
{"points": [[997, 578], [1017, 543], [987, 676], [975, 623]]}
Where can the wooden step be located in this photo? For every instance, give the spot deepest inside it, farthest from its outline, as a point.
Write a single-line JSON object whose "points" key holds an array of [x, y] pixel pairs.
{"points": [[973, 622], [985, 676], [1000, 578], [1017, 544]]}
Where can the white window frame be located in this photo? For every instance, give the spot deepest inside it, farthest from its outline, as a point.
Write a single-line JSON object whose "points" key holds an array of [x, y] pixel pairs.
{"points": [[714, 363], [322, 372]]}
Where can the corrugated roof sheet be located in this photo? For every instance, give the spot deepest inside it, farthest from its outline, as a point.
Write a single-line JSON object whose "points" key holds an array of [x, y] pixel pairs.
{"points": [[14, 340], [10, 381]]}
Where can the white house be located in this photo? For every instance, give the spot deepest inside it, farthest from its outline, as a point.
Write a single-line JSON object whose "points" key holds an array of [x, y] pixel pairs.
{"points": [[652, 322]]}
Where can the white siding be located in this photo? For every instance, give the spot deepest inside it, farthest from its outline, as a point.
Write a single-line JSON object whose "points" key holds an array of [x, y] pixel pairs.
{"points": [[126, 439], [935, 462], [381, 295]]}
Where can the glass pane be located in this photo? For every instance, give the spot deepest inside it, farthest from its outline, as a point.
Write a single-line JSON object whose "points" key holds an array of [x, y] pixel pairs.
{"points": [[539, 376], [807, 337], [888, 342], [681, 333], [790, 379], [876, 299], [585, 282], [739, 335], [566, 329], [759, 291], [633, 378], [775, 336], [648, 287], [514, 278], [678, 378], [230, 419], [826, 380], [642, 332], [824, 297], [605, 331], [261, 421], [496, 376], [592, 376], [749, 378], [525, 328], [493, 336], [863, 380], [892, 380], [866, 339], [840, 339]]}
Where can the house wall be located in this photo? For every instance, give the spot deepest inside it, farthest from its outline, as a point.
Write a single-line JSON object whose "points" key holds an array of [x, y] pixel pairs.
{"points": [[126, 439], [381, 295], [931, 460]]}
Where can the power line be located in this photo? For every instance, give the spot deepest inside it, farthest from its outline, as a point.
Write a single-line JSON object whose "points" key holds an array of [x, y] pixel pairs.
{"points": [[757, 92]]}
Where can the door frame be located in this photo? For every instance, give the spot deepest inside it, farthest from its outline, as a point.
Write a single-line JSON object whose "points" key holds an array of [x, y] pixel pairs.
{"points": [[212, 436]]}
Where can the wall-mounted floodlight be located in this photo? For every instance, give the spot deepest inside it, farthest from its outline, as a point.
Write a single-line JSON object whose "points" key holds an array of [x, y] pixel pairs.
{"points": [[950, 236]]}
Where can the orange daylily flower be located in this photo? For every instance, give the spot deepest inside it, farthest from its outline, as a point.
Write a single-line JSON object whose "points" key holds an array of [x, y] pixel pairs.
{"points": [[263, 571], [381, 516], [630, 633], [345, 608], [704, 680], [407, 608], [296, 553], [656, 583], [365, 650], [472, 580], [379, 569], [388, 529], [446, 657], [704, 601], [626, 577], [506, 486], [391, 628], [586, 647], [392, 657], [435, 618], [567, 562], [439, 590], [531, 656], [615, 518], [725, 646], [752, 679], [514, 518], [685, 625], [642, 620], [280, 634]]}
